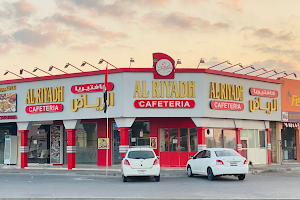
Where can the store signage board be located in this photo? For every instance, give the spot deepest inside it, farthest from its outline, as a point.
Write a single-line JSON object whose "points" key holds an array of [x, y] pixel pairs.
{"points": [[7, 117], [164, 66], [94, 87], [288, 116], [225, 105], [263, 92], [44, 108], [164, 103]]}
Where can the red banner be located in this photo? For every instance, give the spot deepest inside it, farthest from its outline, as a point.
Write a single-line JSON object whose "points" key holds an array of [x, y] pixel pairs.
{"points": [[44, 108], [164, 103], [225, 105], [94, 87], [8, 117], [263, 92]]}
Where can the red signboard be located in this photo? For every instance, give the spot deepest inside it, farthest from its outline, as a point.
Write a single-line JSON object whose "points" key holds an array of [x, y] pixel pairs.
{"points": [[44, 108], [164, 103], [225, 105], [263, 92], [94, 87], [164, 66], [8, 117]]}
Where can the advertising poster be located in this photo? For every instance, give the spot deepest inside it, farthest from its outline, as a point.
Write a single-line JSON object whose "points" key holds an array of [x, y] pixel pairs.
{"points": [[153, 142], [55, 145], [103, 143], [8, 103]]}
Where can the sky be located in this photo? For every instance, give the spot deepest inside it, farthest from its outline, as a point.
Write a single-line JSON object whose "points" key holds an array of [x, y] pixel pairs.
{"points": [[237, 33]]}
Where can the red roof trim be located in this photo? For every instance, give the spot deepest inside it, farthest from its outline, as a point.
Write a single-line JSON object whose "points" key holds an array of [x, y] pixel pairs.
{"points": [[179, 70]]}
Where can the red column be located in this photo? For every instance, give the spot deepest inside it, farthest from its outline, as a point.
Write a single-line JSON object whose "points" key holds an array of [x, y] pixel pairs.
{"points": [[124, 140], [238, 140], [201, 138], [269, 145], [71, 148], [24, 148]]}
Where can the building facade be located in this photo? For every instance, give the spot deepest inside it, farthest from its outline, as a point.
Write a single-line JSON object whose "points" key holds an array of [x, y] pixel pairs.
{"points": [[60, 119]]}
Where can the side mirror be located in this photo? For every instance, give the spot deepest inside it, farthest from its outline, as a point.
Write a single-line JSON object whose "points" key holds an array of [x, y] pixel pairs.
{"points": [[192, 157], [157, 157], [120, 157]]}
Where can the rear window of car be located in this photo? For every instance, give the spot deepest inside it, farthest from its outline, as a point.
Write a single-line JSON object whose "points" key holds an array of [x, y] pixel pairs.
{"points": [[141, 154], [223, 153]]}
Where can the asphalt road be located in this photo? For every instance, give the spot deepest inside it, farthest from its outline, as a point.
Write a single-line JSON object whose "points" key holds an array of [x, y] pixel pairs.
{"points": [[259, 186]]}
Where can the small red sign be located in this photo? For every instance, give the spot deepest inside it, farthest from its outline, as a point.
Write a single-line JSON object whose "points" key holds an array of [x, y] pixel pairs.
{"points": [[263, 92], [93, 87], [225, 105], [164, 103], [164, 66], [44, 108], [8, 117]]}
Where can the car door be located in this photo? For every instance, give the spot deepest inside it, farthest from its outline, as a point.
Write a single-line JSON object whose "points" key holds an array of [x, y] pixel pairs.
{"points": [[204, 162], [196, 162]]}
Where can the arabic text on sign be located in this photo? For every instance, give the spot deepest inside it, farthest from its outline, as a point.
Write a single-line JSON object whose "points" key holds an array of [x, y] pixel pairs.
{"points": [[263, 92], [224, 105], [94, 87], [164, 103], [8, 117], [256, 105], [8, 88]]}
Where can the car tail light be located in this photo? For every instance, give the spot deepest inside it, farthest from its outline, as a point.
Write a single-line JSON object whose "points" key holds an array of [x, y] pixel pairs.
{"points": [[156, 162], [219, 162], [245, 162], [126, 162]]}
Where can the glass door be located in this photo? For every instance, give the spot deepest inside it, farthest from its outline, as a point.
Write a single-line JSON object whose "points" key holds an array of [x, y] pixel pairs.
{"points": [[174, 150]]}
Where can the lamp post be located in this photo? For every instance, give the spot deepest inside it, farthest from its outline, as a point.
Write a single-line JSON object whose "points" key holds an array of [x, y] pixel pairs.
{"points": [[35, 69], [51, 67], [67, 65], [131, 61], [21, 72], [102, 60], [6, 72], [84, 62], [201, 61]]}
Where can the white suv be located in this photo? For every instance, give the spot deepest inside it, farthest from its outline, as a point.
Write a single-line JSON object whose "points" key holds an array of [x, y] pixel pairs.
{"points": [[140, 161]]}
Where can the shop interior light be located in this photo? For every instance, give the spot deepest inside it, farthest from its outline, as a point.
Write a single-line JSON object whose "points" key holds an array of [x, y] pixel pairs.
{"points": [[102, 60], [131, 61], [239, 64], [268, 72], [21, 72], [251, 66], [201, 61], [256, 70], [84, 62], [227, 61], [51, 67], [68, 64], [6, 72], [35, 69]]}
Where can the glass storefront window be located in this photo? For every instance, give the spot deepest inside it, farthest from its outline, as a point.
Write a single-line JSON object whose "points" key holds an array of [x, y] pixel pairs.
{"points": [[163, 134], [209, 138], [86, 143], [251, 136], [115, 143], [262, 139], [193, 139], [229, 139], [218, 138], [173, 139], [183, 139], [139, 134]]}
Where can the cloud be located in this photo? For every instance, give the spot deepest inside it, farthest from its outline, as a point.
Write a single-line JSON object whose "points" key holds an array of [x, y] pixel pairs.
{"points": [[263, 33], [151, 2], [85, 47], [24, 8], [267, 33], [177, 20], [231, 4], [35, 38], [117, 9]]}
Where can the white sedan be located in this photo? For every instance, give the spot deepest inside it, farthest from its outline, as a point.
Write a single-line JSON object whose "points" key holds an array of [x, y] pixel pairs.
{"points": [[140, 161], [217, 162]]}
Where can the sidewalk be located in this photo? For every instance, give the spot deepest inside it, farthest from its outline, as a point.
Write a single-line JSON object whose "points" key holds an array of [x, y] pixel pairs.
{"points": [[92, 170]]}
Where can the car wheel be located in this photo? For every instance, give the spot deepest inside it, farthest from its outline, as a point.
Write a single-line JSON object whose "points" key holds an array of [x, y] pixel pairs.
{"points": [[189, 172], [210, 174], [124, 178], [157, 178], [242, 177]]}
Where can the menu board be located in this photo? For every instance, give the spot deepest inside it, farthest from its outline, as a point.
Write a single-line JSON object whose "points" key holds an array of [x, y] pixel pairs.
{"points": [[8, 103], [56, 155]]}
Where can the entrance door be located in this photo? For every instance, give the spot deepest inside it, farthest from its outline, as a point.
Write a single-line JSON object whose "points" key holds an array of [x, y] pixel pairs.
{"points": [[288, 138], [177, 155]]}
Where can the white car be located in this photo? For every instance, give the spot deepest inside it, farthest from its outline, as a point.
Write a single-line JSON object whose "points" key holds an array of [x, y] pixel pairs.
{"points": [[140, 161], [217, 162]]}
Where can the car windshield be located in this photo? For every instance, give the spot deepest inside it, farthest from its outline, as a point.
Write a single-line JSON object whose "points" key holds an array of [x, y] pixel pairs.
{"points": [[140, 154], [222, 153]]}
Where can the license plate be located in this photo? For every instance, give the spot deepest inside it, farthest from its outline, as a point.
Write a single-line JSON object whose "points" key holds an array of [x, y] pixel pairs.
{"points": [[141, 171], [233, 163]]}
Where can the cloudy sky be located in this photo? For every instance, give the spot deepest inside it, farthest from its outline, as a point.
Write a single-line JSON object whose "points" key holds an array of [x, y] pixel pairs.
{"points": [[262, 33]]}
